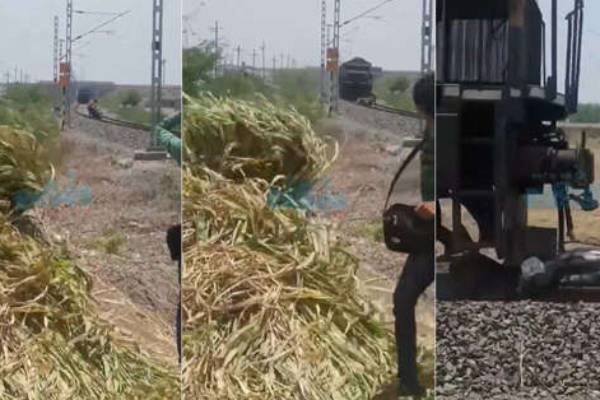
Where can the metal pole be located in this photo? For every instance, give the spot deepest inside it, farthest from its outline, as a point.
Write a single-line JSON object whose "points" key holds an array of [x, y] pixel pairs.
{"points": [[427, 38], [56, 55], [323, 49], [264, 71], [157, 64], [216, 72], [68, 63], [333, 84], [553, 85]]}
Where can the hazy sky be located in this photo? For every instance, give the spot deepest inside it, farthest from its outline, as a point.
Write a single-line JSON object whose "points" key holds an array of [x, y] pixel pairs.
{"points": [[294, 26], [27, 32], [393, 42]]}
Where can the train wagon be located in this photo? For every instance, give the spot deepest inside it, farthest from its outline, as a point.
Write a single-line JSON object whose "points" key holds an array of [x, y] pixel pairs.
{"points": [[356, 79]]}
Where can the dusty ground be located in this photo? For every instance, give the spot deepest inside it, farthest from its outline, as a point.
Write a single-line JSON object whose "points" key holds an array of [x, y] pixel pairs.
{"points": [[120, 237], [370, 154]]}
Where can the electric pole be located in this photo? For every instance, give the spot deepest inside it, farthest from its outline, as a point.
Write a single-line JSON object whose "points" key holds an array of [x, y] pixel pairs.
{"points": [[253, 59], [157, 64], [263, 49], [281, 65], [68, 63], [216, 31], [323, 48], [427, 38], [56, 55], [333, 84], [238, 51], [274, 64]]}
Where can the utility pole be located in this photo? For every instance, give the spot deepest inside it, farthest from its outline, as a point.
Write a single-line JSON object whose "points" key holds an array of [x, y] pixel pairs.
{"points": [[56, 55], [157, 65], [323, 48], [216, 30], [68, 63], [289, 61], [427, 38], [281, 65], [238, 51], [333, 84], [274, 65], [253, 59], [263, 48]]}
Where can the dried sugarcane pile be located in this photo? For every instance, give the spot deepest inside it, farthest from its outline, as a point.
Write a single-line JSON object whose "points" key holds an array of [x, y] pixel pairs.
{"points": [[272, 304], [22, 166], [53, 345]]}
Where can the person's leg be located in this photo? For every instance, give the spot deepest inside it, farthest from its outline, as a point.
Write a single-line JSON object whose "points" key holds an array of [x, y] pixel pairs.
{"points": [[178, 316], [417, 275]]}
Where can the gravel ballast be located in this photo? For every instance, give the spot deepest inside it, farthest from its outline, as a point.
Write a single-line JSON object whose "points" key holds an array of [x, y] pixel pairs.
{"points": [[518, 350]]}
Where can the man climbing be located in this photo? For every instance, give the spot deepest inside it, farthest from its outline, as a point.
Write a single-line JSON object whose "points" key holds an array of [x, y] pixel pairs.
{"points": [[418, 272]]}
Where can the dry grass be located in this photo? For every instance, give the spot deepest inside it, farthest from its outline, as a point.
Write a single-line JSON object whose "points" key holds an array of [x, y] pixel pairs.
{"points": [[273, 307], [53, 344], [24, 166], [243, 139]]}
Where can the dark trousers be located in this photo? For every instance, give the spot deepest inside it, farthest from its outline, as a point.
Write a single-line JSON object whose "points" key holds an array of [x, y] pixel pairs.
{"points": [[417, 275], [178, 315]]}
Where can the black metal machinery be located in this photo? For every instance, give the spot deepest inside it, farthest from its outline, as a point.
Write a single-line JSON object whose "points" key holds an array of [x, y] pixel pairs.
{"points": [[356, 79], [497, 135]]}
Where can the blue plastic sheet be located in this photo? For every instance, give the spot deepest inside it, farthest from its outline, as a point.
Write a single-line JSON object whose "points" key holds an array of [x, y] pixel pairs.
{"points": [[54, 196], [304, 196]]}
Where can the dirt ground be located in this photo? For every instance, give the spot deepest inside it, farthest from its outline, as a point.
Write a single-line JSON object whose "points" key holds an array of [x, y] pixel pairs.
{"points": [[119, 238], [370, 154]]}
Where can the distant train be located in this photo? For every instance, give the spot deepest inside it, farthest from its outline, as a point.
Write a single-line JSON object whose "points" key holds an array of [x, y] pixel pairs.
{"points": [[85, 95], [356, 79]]}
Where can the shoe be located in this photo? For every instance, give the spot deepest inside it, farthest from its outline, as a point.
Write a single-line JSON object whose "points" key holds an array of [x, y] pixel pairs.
{"points": [[410, 388]]}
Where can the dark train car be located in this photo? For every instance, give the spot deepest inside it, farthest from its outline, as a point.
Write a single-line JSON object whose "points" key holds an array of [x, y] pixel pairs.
{"points": [[85, 95], [356, 79], [498, 107]]}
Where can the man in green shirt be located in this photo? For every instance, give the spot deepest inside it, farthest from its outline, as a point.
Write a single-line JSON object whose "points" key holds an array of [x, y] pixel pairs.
{"points": [[418, 272]]}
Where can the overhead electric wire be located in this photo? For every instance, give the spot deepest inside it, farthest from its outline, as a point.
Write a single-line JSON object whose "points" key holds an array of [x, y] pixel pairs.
{"points": [[94, 12], [97, 27], [365, 13]]}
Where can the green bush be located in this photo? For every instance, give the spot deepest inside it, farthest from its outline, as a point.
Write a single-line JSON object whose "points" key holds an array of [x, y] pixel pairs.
{"points": [[588, 113], [131, 98], [28, 107]]}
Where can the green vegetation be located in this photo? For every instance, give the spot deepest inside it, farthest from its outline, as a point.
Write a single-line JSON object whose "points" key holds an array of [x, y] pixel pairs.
{"points": [[588, 113], [131, 98], [296, 88], [111, 242], [29, 108], [372, 231], [126, 105], [394, 91]]}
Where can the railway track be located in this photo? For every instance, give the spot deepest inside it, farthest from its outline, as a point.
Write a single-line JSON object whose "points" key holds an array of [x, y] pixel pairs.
{"points": [[372, 104], [117, 122]]}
